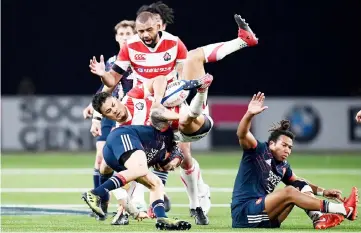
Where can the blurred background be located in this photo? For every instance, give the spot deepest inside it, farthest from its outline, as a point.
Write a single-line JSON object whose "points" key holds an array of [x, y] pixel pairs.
{"points": [[307, 63]]}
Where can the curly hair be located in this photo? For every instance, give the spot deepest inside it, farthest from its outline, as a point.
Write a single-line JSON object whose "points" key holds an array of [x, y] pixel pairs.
{"points": [[166, 13], [281, 128]]}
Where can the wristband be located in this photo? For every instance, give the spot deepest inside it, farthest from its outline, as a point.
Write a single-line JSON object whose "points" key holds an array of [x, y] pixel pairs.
{"points": [[118, 69], [97, 118], [320, 192]]}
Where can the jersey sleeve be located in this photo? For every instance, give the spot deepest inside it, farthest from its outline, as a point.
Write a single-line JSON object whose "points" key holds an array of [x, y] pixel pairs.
{"points": [[109, 63], [288, 176], [260, 148], [100, 89], [123, 59], [182, 51]]}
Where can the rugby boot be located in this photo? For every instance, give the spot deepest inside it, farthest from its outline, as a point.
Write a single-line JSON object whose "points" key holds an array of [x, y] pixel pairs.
{"points": [[199, 217], [350, 205], [93, 201], [172, 224], [120, 218], [104, 207], [328, 221], [244, 32]]}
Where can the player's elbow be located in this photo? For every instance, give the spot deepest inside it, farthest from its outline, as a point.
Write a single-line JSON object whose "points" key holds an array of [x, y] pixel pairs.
{"points": [[240, 134]]}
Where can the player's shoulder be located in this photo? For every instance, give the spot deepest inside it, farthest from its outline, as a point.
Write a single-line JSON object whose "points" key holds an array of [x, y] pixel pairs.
{"points": [[133, 39], [169, 36], [261, 145]]}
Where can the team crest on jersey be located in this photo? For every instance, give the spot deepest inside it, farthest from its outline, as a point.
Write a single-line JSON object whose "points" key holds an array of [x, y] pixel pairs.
{"points": [[139, 106], [167, 57]]}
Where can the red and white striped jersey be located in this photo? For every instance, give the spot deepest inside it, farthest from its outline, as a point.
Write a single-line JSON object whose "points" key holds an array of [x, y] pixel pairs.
{"points": [[139, 112], [148, 63]]}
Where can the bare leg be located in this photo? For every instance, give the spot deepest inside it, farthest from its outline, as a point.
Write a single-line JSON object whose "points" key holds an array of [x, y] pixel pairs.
{"points": [[279, 200]]}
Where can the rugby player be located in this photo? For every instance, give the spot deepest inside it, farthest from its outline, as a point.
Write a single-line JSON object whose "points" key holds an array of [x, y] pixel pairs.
{"points": [[256, 203], [123, 30], [358, 117], [130, 151], [209, 53]]}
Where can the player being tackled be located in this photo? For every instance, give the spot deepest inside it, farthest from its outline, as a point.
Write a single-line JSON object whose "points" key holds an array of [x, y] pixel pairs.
{"points": [[130, 151]]}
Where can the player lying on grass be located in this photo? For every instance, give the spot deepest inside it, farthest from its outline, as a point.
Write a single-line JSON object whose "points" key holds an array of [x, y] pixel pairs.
{"points": [[256, 203], [130, 151]]}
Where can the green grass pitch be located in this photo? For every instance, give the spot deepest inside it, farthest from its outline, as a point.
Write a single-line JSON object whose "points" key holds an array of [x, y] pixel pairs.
{"points": [[56, 181]]}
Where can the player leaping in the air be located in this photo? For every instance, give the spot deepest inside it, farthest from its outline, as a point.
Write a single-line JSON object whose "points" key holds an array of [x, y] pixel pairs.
{"points": [[209, 53], [256, 203]]}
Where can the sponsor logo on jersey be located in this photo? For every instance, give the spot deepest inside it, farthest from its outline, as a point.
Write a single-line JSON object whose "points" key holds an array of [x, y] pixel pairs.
{"points": [[139, 57], [151, 154], [153, 70], [273, 181]]}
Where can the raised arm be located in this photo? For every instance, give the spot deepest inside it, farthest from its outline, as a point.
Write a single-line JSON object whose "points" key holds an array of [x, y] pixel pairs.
{"points": [[255, 106]]}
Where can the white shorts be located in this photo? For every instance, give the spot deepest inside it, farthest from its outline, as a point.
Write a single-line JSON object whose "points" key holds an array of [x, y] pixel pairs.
{"points": [[180, 137]]}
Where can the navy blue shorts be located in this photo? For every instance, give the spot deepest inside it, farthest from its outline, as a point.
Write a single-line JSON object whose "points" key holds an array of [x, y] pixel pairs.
{"points": [[120, 142], [106, 127], [250, 215]]}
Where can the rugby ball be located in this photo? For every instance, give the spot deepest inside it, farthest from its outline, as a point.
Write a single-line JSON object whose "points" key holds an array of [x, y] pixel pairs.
{"points": [[174, 94]]}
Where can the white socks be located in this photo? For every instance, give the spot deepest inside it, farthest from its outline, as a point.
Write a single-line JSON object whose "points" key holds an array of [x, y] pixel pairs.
{"points": [[216, 52], [198, 104], [191, 178]]}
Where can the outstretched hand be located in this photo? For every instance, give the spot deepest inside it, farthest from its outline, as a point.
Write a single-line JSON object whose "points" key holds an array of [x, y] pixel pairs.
{"points": [[255, 106], [96, 67]]}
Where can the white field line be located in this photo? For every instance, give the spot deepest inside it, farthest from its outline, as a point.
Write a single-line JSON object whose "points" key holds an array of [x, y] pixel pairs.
{"points": [[238, 231], [233, 172], [80, 190], [84, 206]]}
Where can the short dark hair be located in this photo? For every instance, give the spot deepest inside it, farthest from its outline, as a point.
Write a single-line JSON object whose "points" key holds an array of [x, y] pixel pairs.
{"points": [[282, 128], [166, 13], [144, 17], [99, 99]]}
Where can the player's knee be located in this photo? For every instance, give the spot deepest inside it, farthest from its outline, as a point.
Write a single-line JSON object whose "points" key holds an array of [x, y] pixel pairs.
{"points": [[104, 168], [99, 157], [290, 192], [195, 55]]}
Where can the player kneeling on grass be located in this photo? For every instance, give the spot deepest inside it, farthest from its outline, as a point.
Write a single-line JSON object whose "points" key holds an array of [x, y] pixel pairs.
{"points": [[130, 151], [255, 203]]}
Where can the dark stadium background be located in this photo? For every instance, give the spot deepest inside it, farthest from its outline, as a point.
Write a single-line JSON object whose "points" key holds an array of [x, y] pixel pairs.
{"points": [[307, 48]]}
